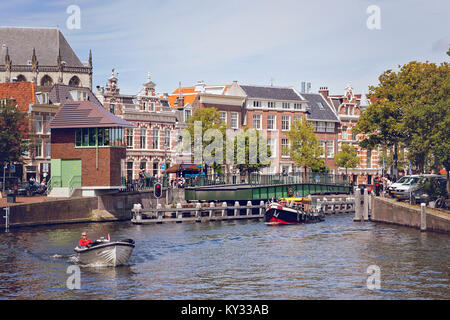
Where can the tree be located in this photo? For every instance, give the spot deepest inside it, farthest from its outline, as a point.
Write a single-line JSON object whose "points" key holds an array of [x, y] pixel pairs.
{"points": [[304, 148], [347, 157], [408, 107], [14, 132], [206, 119], [253, 159]]}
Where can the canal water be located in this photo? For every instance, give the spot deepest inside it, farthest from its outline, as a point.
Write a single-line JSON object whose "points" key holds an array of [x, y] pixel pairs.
{"points": [[231, 260]]}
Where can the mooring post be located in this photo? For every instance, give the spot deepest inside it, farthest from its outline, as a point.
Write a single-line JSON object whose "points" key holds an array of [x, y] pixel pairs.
{"points": [[159, 212], [358, 212], [198, 212], [366, 204], [137, 212], [236, 210], [224, 210], [178, 212], [249, 210], [262, 206], [423, 217], [211, 211], [6, 216]]}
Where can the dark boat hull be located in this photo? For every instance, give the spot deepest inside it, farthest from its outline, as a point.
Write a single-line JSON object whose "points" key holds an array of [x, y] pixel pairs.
{"points": [[280, 215]]}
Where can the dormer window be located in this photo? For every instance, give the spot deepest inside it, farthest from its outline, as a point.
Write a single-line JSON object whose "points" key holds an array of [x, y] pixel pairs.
{"points": [[79, 95], [42, 97]]}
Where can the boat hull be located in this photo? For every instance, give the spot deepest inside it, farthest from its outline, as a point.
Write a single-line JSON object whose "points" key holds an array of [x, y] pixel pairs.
{"points": [[281, 215], [105, 254]]}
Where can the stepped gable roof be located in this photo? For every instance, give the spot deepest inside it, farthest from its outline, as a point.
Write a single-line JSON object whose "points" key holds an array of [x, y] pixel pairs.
{"points": [[47, 42], [85, 114], [270, 92], [21, 92], [319, 109]]}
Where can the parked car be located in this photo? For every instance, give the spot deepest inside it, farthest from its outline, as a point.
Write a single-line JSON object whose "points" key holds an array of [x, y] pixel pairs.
{"points": [[394, 185], [430, 189], [404, 191]]}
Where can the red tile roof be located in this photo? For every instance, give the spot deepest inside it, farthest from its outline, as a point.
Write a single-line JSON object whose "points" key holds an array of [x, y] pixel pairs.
{"points": [[21, 92]]}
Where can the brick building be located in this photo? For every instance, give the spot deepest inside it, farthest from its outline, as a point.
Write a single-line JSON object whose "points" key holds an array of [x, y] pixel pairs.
{"points": [[348, 107], [88, 150], [152, 143]]}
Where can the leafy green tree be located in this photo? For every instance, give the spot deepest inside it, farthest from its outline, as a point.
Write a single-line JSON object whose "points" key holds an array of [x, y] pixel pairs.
{"points": [[14, 132], [304, 148], [253, 160], [206, 119], [347, 157]]}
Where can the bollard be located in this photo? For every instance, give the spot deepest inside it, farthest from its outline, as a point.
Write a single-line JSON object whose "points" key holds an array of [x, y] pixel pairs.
{"points": [[249, 211], [366, 205], [137, 212], [6, 216], [179, 213], [159, 213], [236, 210], [423, 217], [211, 211], [224, 210], [358, 208], [261, 208], [198, 212]]}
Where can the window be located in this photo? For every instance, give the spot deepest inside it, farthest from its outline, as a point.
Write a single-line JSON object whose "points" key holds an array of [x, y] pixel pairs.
{"points": [[298, 117], [320, 126], [271, 122], [42, 97], [143, 165], [344, 133], [129, 138], [74, 81], [92, 137], [323, 146], [314, 124], [39, 127], [297, 106], [257, 121], [167, 139], [256, 104], [330, 126], [234, 120], [354, 135], [155, 168], [320, 105], [38, 149], [155, 138], [187, 114], [330, 149], [369, 159], [285, 147], [112, 108], [286, 105], [129, 170], [285, 123], [99, 137], [272, 143], [271, 105], [223, 116], [152, 106], [46, 81], [144, 105], [79, 95], [47, 150], [142, 140], [47, 121]]}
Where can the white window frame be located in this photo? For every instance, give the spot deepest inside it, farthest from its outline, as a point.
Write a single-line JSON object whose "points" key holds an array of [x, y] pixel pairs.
{"points": [[283, 122], [273, 121], [258, 118], [236, 126]]}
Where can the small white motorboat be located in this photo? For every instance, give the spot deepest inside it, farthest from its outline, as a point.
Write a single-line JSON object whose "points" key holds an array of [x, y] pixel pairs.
{"points": [[105, 253]]}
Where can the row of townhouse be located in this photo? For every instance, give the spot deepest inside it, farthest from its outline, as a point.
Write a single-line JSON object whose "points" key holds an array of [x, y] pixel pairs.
{"points": [[272, 110]]}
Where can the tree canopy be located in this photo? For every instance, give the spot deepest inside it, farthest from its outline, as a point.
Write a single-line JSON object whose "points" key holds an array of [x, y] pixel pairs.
{"points": [[347, 157]]}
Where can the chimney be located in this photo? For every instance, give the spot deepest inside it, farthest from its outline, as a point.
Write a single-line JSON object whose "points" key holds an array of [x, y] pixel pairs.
{"points": [[324, 92]]}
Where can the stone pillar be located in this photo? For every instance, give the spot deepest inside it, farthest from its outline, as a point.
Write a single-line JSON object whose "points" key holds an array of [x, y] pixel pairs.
{"points": [[249, 211], [366, 204], [236, 211], [211, 211], [423, 217], [159, 212], [198, 212], [224, 210], [179, 214], [358, 212], [262, 208]]}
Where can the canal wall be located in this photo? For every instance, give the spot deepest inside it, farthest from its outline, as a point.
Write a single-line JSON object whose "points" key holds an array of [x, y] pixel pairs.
{"points": [[391, 211], [109, 207]]}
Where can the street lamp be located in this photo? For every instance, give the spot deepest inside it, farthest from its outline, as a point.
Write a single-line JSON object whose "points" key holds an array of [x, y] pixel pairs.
{"points": [[4, 170]]}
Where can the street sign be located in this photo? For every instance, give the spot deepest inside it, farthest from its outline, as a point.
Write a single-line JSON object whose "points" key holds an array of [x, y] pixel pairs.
{"points": [[12, 168], [163, 167]]}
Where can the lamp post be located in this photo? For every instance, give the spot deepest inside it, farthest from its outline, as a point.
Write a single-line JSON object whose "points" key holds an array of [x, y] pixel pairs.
{"points": [[4, 178]]}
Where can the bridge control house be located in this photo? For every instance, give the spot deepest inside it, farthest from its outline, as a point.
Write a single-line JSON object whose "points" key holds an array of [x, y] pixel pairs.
{"points": [[88, 150]]}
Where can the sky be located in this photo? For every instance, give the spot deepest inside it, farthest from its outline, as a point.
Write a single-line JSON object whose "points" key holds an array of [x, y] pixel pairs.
{"points": [[284, 42]]}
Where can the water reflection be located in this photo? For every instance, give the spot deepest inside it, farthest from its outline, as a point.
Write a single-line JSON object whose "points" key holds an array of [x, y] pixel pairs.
{"points": [[231, 260]]}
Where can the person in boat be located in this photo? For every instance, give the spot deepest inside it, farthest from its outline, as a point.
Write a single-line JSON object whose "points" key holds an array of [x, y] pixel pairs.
{"points": [[85, 241]]}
